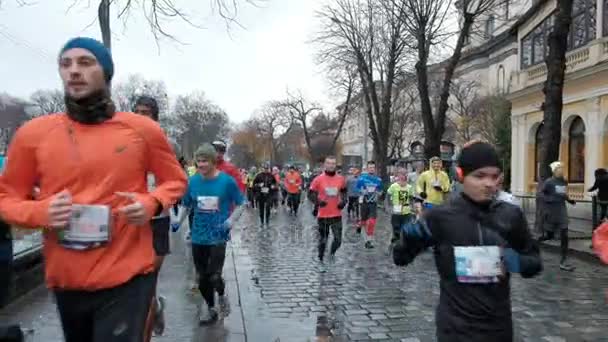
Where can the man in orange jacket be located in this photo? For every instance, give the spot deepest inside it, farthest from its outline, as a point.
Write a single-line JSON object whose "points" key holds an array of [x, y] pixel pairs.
{"points": [[293, 186], [91, 163]]}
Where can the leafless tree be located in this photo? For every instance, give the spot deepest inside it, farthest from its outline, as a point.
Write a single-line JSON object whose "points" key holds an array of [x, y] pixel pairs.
{"points": [[405, 128], [158, 12], [465, 109], [369, 35], [272, 122], [427, 22], [46, 102]]}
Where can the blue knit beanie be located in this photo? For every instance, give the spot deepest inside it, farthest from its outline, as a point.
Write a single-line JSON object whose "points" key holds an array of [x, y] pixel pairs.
{"points": [[101, 53]]}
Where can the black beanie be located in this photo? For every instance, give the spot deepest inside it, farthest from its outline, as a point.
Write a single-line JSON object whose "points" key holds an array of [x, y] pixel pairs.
{"points": [[476, 156]]}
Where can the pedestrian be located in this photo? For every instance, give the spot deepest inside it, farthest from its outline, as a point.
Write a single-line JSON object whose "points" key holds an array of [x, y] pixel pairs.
{"points": [[434, 184], [226, 166], [148, 106], [253, 172], [265, 187], [555, 195], [103, 286], [400, 195], [369, 187], [330, 198], [276, 194], [601, 186], [352, 193], [217, 202], [469, 235], [293, 187]]}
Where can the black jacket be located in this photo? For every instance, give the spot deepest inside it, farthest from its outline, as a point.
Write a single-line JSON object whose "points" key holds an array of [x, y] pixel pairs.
{"points": [[472, 312], [264, 180], [601, 184]]}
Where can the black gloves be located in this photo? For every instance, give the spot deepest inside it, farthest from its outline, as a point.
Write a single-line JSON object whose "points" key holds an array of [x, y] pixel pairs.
{"points": [[322, 204], [341, 205], [438, 188], [315, 211], [573, 202], [423, 195]]}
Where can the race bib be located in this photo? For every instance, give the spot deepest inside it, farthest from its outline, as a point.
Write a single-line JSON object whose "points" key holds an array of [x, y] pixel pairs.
{"points": [[292, 181], [436, 184], [397, 208], [370, 188], [478, 264], [265, 189], [360, 200], [332, 192], [560, 189], [89, 227], [208, 203]]}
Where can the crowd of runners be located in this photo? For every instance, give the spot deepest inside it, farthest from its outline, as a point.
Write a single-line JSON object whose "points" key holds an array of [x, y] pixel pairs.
{"points": [[106, 182]]}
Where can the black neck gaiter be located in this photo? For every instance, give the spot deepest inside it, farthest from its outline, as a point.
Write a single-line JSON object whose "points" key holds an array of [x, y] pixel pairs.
{"points": [[330, 173], [93, 109]]}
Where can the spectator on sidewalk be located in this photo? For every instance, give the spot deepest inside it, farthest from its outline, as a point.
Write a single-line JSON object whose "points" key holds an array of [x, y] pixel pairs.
{"points": [[601, 186]]}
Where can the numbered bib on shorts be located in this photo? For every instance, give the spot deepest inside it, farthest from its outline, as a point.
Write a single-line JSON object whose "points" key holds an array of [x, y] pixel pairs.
{"points": [[331, 191], [208, 203], [89, 227], [478, 264], [397, 208], [265, 189]]}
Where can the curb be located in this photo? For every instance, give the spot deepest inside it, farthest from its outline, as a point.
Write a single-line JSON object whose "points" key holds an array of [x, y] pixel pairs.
{"points": [[587, 256]]}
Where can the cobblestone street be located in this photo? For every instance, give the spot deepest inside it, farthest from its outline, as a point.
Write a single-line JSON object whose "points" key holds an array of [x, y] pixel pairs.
{"points": [[279, 294]]}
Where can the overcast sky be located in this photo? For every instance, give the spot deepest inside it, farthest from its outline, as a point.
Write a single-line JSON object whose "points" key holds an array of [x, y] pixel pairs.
{"points": [[238, 71]]}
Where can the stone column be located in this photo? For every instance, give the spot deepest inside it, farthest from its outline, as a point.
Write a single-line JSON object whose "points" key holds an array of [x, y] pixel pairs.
{"points": [[593, 139]]}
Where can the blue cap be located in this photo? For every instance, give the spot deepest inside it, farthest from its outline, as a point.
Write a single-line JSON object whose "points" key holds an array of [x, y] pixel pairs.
{"points": [[101, 53]]}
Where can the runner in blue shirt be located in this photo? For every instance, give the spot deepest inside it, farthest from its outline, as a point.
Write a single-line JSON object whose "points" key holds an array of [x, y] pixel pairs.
{"points": [[369, 187], [217, 203]]}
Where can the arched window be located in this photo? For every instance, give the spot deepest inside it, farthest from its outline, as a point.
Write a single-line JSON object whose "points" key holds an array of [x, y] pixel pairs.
{"points": [[500, 80], [537, 142], [576, 151]]}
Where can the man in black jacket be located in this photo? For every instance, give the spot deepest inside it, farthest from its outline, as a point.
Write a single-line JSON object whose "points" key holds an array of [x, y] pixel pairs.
{"points": [[477, 243], [264, 188]]}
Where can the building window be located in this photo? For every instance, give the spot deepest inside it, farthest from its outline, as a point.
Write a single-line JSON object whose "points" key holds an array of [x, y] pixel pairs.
{"points": [[576, 151], [605, 15], [500, 79], [583, 29], [535, 45], [489, 27], [537, 142]]}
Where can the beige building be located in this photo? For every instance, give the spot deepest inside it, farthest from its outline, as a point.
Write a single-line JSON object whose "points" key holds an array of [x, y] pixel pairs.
{"points": [[584, 144]]}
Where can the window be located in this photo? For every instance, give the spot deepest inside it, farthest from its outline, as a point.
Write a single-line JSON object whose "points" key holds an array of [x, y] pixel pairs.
{"points": [[605, 15], [537, 142], [490, 26], [576, 151], [583, 27], [535, 45], [500, 80]]}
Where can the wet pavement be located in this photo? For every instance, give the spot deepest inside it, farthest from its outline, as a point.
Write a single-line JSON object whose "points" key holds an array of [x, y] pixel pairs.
{"points": [[278, 293]]}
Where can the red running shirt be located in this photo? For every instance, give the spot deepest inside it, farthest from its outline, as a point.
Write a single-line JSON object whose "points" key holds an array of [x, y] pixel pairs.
{"points": [[328, 189]]}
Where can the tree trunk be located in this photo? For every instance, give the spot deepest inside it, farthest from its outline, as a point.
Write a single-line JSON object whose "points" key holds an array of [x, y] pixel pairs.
{"points": [[103, 13], [553, 88]]}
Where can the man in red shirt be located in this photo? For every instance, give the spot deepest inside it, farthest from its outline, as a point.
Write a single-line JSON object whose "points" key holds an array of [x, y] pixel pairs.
{"points": [[226, 166], [329, 196]]}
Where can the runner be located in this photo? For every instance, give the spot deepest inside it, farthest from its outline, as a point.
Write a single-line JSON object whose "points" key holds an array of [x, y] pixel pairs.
{"points": [[469, 235], [265, 187], [330, 198], [100, 184], [434, 184], [400, 195], [369, 187], [555, 196], [212, 195], [250, 189], [353, 193], [226, 166], [148, 106], [293, 186], [276, 194]]}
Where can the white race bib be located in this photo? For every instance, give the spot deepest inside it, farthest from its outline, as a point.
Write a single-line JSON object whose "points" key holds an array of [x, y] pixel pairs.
{"points": [[265, 190], [331, 192], [208, 203], [90, 226], [560, 189], [371, 188], [360, 200], [478, 264], [397, 208], [436, 183], [292, 181]]}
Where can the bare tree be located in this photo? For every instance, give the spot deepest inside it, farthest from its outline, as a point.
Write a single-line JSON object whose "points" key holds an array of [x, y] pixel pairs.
{"points": [[465, 109], [369, 35], [158, 12], [126, 93], [404, 128], [427, 22], [198, 121], [46, 102], [272, 121]]}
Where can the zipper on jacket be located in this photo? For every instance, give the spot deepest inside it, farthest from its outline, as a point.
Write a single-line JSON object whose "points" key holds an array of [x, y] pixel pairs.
{"points": [[480, 232]]}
